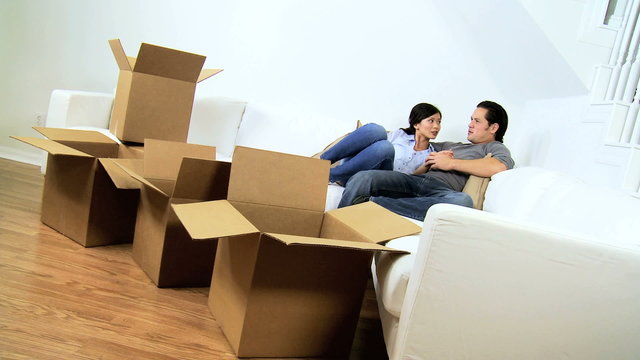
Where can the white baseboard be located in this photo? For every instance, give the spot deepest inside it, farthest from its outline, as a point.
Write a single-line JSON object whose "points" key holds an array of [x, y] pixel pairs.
{"points": [[29, 157]]}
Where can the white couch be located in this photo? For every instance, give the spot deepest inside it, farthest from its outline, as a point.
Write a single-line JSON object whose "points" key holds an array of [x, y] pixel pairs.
{"points": [[550, 269]]}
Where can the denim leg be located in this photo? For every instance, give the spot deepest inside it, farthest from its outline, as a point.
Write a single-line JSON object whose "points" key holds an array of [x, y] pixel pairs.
{"points": [[417, 207], [369, 183], [407, 195], [355, 142], [378, 155]]}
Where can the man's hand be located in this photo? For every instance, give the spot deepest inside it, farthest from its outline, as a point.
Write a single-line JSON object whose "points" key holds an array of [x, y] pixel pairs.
{"points": [[444, 160], [440, 160]]}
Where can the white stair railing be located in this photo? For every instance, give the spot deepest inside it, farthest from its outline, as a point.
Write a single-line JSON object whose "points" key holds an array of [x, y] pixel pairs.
{"points": [[621, 79], [624, 82], [620, 51], [628, 54]]}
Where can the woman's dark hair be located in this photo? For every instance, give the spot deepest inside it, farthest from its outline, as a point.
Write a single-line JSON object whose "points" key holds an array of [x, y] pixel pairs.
{"points": [[418, 113], [496, 114]]}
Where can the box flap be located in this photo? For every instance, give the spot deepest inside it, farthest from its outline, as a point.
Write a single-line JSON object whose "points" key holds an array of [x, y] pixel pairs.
{"points": [[61, 134], [121, 179], [137, 176], [87, 141], [345, 244], [131, 152], [371, 220], [278, 179], [281, 220], [119, 54], [132, 61], [162, 159], [203, 180], [207, 73], [212, 219], [52, 147], [169, 63]]}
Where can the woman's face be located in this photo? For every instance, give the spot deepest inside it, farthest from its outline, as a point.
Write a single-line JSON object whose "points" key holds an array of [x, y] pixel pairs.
{"points": [[429, 127]]}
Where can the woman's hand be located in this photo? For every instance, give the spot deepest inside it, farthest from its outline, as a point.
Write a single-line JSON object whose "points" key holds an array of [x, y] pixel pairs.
{"points": [[441, 160], [422, 169], [435, 160]]}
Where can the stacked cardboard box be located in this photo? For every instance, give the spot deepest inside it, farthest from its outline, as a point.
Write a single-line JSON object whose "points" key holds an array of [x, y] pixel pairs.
{"points": [[175, 173], [85, 197], [289, 279], [155, 92]]}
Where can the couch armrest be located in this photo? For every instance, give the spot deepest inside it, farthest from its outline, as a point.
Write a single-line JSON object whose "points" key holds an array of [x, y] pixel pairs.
{"points": [[488, 287]]}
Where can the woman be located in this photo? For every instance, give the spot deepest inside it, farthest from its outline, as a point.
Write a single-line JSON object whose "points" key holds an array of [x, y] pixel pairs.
{"points": [[370, 146]]}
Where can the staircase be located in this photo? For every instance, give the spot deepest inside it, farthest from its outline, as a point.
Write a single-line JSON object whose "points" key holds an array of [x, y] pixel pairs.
{"points": [[615, 99]]}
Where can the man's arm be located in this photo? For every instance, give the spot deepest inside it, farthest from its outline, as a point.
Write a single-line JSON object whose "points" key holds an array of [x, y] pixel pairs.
{"points": [[485, 167]]}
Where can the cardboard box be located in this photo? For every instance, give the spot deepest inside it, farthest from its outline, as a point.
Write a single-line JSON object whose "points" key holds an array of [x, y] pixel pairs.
{"points": [[289, 279], [85, 197], [154, 97], [175, 173]]}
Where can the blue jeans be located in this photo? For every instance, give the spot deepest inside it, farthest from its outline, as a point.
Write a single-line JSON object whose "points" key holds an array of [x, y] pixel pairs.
{"points": [[407, 195], [366, 148]]}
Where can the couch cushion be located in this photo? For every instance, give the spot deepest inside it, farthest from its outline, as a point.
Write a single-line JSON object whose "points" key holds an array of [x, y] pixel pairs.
{"points": [[565, 203], [393, 271], [215, 121], [281, 129], [476, 187], [334, 194], [75, 108], [514, 192]]}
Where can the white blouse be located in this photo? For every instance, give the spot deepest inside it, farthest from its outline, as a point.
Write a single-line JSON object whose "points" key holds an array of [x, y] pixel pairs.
{"points": [[406, 159]]}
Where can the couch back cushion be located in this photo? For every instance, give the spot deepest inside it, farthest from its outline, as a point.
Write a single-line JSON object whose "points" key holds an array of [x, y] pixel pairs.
{"points": [[75, 108], [280, 129], [562, 202], [215, 121]]}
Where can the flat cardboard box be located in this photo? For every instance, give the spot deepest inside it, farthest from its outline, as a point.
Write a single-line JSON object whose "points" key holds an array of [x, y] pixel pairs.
{"points": [[289, 279], [175, 173], [155, 92], [84, 196]]}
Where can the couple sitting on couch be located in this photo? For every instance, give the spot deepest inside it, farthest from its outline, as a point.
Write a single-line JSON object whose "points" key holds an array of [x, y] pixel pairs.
{"points": [[425, 173]]}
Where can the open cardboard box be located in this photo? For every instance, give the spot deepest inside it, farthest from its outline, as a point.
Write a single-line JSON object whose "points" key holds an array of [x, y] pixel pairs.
{"points": [[174, 173], [85, 196], [289, 279], [155, 92]]}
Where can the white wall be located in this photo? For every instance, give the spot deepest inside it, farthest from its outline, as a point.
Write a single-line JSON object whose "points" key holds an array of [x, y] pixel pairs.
{"points": [[575, 29], [368, 60]]}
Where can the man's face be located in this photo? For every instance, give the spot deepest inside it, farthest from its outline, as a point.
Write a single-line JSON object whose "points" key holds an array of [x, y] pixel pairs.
{"points": [[480, 131]]}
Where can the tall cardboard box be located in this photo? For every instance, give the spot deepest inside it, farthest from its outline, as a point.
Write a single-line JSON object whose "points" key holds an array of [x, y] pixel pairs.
{"points": [[85, 197], [155, 92], [175, 173], [289, 279]]}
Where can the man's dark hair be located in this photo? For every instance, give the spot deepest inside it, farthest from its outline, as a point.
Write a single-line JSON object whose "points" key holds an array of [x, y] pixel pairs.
{"points": [[418, 113], [496, 114]]}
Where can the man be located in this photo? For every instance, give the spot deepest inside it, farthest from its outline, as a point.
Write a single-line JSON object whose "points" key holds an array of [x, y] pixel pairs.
{"points": [[448, 167]]}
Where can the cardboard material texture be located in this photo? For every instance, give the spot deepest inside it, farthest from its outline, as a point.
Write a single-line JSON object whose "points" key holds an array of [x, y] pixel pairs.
{"points": [[84, 196], [175, 173], [155, 92], [289, 279]]}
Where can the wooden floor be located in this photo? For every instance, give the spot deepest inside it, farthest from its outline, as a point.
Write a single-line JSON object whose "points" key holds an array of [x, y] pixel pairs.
{"points": [[59, 300]]}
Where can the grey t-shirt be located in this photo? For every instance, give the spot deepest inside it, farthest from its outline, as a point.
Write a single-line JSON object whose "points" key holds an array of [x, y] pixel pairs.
{"points": [[467, 151]]}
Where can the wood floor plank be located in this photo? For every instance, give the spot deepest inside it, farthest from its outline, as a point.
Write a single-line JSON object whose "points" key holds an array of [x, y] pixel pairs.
{"points": [[59, 300]]}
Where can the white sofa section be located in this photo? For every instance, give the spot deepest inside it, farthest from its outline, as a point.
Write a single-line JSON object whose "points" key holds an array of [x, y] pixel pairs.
{"points": [[549, 269], [74, 108]]}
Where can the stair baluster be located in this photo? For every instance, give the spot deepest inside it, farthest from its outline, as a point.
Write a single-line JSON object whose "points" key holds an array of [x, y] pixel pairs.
{"points": [[623, 61]]}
